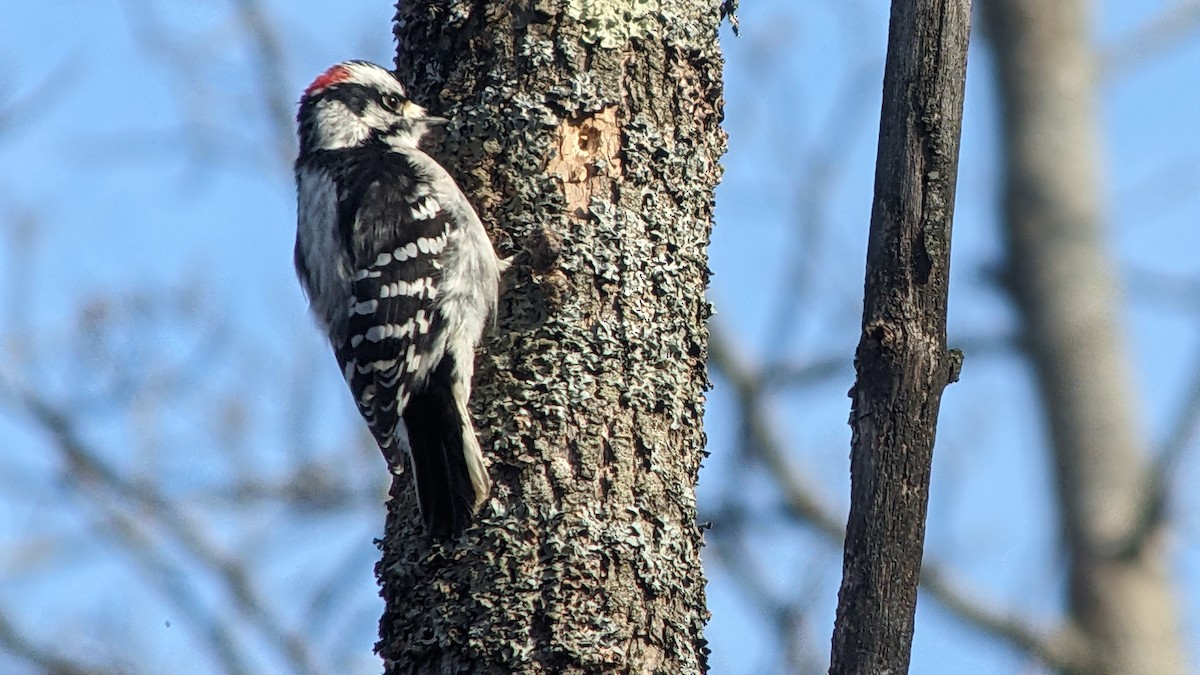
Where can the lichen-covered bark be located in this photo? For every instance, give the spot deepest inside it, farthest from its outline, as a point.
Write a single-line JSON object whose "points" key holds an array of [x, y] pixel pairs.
{"points": [[902, 361], [588, 138], [1064, 283]]}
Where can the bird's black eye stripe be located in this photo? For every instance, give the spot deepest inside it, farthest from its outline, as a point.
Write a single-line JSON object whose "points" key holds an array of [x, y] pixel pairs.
{"points": [[355, 96], [391, 102]]}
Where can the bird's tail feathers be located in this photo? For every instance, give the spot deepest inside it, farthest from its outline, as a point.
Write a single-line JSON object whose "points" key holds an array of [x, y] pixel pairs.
{"points": [[451, 479]]}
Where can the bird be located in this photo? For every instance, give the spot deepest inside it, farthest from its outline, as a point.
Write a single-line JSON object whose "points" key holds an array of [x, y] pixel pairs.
{"points": [[400, 273]]}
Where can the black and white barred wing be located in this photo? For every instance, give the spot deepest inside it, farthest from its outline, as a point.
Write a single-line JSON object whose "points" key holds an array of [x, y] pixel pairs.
{"points": [[394, 335]]}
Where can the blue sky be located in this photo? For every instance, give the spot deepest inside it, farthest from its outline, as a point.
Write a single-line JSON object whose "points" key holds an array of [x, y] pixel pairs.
{"points": [[142, 181]]}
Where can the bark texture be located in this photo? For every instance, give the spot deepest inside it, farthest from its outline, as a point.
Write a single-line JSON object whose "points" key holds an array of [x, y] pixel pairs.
{"points": [[902, 362], [1064, 284], [588, 137]]}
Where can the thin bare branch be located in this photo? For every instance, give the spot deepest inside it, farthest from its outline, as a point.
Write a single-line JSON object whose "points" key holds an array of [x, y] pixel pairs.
{"points": [[147, 500], [32, 105], [173, 583], [272, 80], [1168, 30], [1172, 291], [1062, 649], [810, 372], [813, 187], [747, 574], [20, 646], [749, 388], [817, 370], [1181, 437]]}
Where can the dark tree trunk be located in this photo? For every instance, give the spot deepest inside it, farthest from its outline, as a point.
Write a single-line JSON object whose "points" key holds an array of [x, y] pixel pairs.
{"points": [[1064, 283], [587, 135], [902, 361]]}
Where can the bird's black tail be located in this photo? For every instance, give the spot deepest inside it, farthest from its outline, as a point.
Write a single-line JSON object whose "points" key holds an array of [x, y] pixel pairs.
{"points": [[446, 459]]}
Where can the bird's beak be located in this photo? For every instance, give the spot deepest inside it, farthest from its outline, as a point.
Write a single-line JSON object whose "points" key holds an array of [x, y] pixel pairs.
{"points": [[435, 132]]}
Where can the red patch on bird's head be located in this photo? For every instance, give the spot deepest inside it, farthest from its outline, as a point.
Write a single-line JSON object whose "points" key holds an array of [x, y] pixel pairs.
{"points": [[334, 75]]}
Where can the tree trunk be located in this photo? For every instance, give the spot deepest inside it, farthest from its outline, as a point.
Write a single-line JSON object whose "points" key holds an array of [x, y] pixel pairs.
{"points": [[1063, 283], [902, 361], [587, 135]]}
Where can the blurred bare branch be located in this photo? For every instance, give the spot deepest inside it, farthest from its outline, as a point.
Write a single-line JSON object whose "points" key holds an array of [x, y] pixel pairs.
{"points": [[727, 550], [1182, 434], [787, 375], [152, 506], [272, 77], [760, 436], [1174, 26], [1171, 291], [814, 186], [811, 371], [47, 660], [204, 135], [172, 580], [14, 114], [1062, 649]]}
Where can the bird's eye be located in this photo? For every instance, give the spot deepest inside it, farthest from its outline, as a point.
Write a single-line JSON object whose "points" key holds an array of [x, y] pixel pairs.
{"points": [[390, 102]]}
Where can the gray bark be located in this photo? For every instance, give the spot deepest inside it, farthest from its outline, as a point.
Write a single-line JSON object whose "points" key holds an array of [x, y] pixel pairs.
{"points": [[902, 361], [1063, 281], [588, 137]]}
